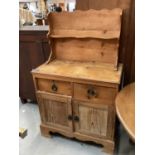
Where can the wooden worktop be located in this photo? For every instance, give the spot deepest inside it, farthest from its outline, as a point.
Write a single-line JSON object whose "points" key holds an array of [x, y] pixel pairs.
{"points": [[81, 70]]}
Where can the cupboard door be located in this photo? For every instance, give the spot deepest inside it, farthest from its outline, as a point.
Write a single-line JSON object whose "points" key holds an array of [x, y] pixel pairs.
{"points": [[92, 119], [55, 110]]}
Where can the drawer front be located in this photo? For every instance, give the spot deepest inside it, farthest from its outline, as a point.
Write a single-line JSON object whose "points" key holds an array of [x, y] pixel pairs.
{"points": [[54, 86], [94, 93]]}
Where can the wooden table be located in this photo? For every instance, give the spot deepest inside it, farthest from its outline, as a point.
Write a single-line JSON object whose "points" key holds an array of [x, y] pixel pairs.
{"points": [[125, 109]]}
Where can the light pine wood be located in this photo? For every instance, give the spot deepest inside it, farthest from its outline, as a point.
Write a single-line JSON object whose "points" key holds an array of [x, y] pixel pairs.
{"points": [[86, 50], [55, 110], [86, 34], [73, 80], [104, 94], [125, 108], [127, 41], [47, 131], [89, 21], [63, 88], [81, 70], [91, 37], [93, 120], [77, 86]]}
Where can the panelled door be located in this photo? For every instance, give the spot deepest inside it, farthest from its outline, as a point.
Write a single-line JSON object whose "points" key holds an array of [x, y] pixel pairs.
{"points": [[92, 119], [55, 110]]}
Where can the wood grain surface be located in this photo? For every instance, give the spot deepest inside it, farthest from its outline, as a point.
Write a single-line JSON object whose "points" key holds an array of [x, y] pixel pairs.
{"points": [[93, 119], [87, 49], [84, 75], [83, 21], [63, 88], [81, 70], [125, 108], [86, 35], [104, 94], [55, 109], [127, 37]]}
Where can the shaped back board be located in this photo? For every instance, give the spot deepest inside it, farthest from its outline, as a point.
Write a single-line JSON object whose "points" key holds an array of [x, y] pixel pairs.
{"points": [[91, 35]]}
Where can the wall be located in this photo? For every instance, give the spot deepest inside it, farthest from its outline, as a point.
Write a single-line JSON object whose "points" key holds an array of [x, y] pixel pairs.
{"points": [[127, 39]]}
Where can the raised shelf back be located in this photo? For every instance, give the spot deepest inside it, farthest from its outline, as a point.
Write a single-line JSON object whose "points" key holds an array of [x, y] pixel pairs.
{"points": [[91, 35]]}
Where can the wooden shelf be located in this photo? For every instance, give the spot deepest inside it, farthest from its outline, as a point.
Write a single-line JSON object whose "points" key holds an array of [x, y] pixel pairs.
{"points": [[85, 34], [103, 24]]}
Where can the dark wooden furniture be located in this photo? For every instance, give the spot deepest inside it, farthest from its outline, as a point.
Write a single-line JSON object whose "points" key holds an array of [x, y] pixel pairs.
{"points": [[125, 108], [127, 39], [77, 86], [33, 51]]}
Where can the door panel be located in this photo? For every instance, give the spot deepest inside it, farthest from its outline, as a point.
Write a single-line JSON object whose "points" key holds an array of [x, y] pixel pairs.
{"points": [[93, 119], [55, 109]]}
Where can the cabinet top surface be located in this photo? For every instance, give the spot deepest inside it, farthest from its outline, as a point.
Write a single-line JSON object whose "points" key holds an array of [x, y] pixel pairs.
{"points": [[81, 70]]}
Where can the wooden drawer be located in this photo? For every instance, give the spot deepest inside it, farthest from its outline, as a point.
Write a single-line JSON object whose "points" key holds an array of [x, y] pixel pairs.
{"points": [[54, 86], [94, 93]]}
